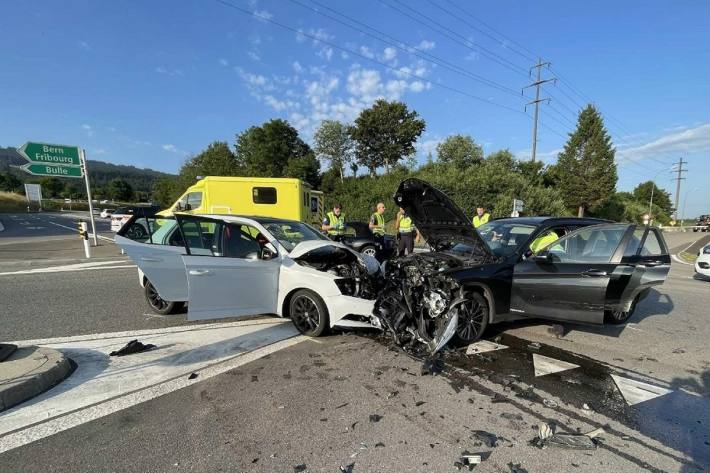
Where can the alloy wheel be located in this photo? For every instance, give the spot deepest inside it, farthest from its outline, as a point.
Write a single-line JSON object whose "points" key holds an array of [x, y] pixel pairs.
{"points": [[471, 320], [305, 314], [154, 299]]}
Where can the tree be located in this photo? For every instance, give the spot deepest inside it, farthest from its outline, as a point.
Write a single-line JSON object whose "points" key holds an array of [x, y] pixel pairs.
{"points": [[166, 191], [120, 190], [216, 160], [274, 149], [385, 133], [9, 183], [661, 198], [585, 170], [332, 143], [51, 186], [459, 150]]}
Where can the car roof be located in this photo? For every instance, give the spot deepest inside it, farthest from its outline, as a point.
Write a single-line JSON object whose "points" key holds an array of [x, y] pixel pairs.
{"points": [[537, 221]]}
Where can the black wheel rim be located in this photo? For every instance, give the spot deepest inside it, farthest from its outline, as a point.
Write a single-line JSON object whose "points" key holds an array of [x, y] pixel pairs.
{"points": [[369, 251], [619, 314], [471, 318], [154, 299], [305, 314]]}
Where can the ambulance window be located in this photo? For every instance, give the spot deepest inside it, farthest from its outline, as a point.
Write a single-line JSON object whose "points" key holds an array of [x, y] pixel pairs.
{"points": [[194, 200], [264, 195]]}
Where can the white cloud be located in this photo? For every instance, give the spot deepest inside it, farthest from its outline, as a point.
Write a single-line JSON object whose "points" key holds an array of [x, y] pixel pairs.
{"points": [[88, 129], [365, 51], [688, 141], [365, 84], [297, 67], [263, 15], [173, 149], [84, 45], [224, 62], [99, 151], [428, 146], [389, 54], [254, 56], [425, 45]]}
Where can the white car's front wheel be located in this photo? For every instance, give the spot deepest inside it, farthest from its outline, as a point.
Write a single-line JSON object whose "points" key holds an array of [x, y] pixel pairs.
{"points": [[308, 313]]}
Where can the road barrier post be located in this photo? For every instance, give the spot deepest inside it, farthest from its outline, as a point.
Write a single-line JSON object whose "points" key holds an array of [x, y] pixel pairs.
{"points": [[88, 195], [84, 235]]}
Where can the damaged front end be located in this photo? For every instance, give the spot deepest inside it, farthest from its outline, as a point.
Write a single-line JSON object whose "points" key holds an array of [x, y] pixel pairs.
{"points": [[358, 275], [420, 301]]}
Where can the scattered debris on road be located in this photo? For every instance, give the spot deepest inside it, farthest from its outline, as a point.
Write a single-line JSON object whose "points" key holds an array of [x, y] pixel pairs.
{"points": [[516, 468], [547, 437], [134, 346], [550, 403], [300, 468], [432, 366], [193, 376], [373, 418], [348, 468], [488, 439]]}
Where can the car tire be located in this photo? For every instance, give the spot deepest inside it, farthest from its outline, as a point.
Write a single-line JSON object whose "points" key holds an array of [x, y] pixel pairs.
{"points": [[309, 313], [617, 317], [473, 320], [369, 250], [159, 305]]}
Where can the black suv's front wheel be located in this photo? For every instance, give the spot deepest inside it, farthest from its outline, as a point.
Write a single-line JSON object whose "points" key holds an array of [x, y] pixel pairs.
{"points": [[473, 320]]}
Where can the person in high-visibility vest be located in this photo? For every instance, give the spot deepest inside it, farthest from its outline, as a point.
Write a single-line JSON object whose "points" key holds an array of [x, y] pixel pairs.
{"points": [[334, 222], [405, 231], [377, 225], [481, 217], [543, 241]]}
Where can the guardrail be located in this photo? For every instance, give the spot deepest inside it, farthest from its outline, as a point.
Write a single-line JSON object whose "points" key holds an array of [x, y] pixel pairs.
{"points": [[686, 228]]}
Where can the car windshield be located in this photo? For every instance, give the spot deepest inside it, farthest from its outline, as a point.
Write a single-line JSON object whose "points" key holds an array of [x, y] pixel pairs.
{"points": [[505, 238], [290, 234]]}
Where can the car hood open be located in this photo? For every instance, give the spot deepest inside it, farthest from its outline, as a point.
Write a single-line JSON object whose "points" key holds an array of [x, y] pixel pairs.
{"points": [[437, 218]]}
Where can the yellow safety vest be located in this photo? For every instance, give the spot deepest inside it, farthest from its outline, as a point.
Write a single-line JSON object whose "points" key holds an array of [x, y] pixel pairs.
{"points": [[478, 221], [405, 225], [543, 241], [336, 221], [379, 230]]}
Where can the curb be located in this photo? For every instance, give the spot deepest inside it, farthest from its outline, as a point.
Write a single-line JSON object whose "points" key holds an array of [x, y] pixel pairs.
{"points": [[30, 371]]}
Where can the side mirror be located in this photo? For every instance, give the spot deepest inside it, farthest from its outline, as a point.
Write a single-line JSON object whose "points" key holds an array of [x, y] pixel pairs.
{"points": [[543, 258], [178, 207], [188, 207], [268, 252]]}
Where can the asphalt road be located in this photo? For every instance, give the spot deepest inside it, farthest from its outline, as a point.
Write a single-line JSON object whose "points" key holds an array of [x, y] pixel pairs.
{"points": [[298, 406], [46, 224]]}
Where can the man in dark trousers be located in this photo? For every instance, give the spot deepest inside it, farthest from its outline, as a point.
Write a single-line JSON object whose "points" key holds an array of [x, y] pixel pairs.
{"points": [[405, 232]]}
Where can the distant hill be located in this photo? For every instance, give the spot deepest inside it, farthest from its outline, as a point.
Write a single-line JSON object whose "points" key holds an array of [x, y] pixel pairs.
{"points": [[100, 172]]}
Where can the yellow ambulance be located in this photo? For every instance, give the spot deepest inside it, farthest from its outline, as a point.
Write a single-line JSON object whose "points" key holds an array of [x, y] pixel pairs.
{"points": [[257, 196]]}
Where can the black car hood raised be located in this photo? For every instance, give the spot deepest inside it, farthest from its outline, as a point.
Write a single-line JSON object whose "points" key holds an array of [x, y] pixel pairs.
{"points": [[437, 218]]}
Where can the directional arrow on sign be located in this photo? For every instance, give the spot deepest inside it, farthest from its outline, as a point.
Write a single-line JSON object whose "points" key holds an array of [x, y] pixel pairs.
{"points": [[53, 170], [50, 154]]}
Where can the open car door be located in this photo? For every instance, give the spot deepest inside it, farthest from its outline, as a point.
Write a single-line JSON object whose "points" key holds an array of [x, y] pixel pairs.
{"points": [[156, 245], [231, 268], [570, 278]]}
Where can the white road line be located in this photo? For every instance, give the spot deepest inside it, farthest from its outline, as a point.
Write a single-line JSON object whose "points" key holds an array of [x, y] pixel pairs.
{"points": [[94, 265], [91, 235], [635, 392], [101, 386], [483, 346], [678, 260], [546, 365]]}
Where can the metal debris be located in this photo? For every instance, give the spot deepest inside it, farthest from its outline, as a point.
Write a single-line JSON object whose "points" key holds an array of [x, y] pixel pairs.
{"points": [[134, 346], [193, 376], [392, 394], [432, 366], [550, 403], [486, 438], [348, 468], [299, 468], [516, 468], [547, 437], [373, 418]]}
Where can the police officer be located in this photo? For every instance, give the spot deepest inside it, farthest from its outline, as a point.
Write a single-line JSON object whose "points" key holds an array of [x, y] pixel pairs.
{"points": [[481, 217], [405, 232], [377, 225], [334, 222]]}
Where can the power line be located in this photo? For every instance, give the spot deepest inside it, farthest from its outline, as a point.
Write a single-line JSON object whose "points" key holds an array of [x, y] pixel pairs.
{"points": [[406, 47], [448, 32], [358, 54], [531, 56]]}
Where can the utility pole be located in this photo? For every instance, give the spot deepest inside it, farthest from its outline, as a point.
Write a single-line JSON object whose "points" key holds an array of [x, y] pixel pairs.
{"points": [[680, 177], [538, 82]]}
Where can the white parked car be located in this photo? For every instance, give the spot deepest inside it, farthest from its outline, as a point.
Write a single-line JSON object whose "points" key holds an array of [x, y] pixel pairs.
{"points": [[702, 263], [106, 213], [230, 266]]}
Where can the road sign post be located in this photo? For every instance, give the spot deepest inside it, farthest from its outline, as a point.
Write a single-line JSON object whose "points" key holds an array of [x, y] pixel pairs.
{"points": [[517, 208], [44, 159], [88, 196]]}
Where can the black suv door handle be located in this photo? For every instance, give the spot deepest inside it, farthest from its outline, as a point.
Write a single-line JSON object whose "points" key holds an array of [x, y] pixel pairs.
{"points": [[651, 264], [594, 273]]}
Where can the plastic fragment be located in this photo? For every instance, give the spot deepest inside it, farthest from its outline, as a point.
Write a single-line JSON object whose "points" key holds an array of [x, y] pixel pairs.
{"points": [[134, 346]]}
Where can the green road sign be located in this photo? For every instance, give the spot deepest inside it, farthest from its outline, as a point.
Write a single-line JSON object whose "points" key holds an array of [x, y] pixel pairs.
{"points": [[50, 154], [52, 170]]}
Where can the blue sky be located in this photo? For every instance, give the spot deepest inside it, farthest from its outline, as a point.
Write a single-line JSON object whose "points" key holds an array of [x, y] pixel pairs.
{"points": [[149, 83]]}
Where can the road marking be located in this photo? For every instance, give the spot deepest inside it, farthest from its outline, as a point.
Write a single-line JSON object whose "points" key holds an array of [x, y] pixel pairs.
{"points": [[35, 228], [678, 260], [546, 365], [77, 230], [101, 385], [635, 392], [483, 346], [94, 265]]}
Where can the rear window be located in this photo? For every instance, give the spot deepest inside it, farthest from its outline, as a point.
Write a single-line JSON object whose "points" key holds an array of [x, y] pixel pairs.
{"points": [[264, 195]]}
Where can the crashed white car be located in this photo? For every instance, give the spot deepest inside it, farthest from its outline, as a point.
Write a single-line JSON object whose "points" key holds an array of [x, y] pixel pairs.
{"points": [[702, 263], [231, 266]]}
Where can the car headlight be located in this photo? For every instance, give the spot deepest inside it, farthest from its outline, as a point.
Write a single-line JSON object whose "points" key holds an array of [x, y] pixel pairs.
{"points": [[348, 286], [706, 250]]}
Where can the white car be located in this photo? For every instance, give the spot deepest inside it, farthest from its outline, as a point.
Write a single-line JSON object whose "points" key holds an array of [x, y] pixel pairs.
{"points": [[702, 263], [230, 266], [106, 213]]}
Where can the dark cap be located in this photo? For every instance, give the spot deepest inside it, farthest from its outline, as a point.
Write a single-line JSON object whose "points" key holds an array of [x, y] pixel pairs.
{"points": [[337, 206]]}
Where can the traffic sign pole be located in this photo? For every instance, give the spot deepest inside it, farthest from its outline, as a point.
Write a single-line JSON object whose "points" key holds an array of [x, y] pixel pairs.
{"points": [[88, 195]]}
